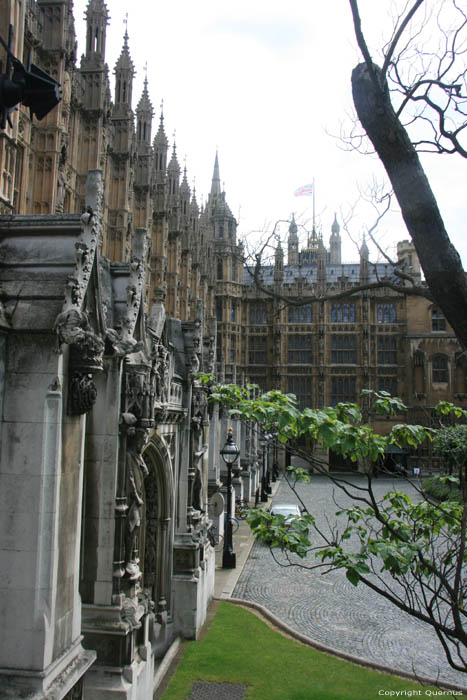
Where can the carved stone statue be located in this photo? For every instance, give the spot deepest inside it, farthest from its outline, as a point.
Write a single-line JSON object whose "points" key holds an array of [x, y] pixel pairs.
{"points": [[137, 471]]}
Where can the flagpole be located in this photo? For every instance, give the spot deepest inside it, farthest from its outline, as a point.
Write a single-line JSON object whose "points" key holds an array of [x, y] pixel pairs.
{"points": [[314, 203]]}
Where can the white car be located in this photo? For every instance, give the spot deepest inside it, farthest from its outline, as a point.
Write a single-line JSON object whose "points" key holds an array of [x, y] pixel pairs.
{"points": [[288, 510]]}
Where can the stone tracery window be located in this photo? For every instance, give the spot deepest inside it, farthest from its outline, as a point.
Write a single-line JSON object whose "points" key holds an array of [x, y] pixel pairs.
{"points": [[299, 349], [343, 313], [300, 314], [343, 390], [438, 319], [344, 349], [386, 313], [387, 350], [440, 369]]}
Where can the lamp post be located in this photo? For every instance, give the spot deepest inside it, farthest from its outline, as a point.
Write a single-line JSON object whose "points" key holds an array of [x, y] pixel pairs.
{"points": [[230, 454], [264, 493], [268, 465]]}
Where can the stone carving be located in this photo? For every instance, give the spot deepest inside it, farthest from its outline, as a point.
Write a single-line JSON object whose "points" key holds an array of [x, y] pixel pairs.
{"points": [[122, 342], [132, 611], [72, 324], [211, 361], [82, 393], [137, 471], [197, 500], [161, 373], [72, 327], [121, 338], [199, 411]]}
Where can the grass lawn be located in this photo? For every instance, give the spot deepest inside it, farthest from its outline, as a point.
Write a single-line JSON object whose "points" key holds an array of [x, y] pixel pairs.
{"points": [[242, 649]]}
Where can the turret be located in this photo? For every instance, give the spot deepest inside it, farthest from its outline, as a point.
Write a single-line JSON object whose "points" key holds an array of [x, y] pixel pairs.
{"points": [[185, 194], [407, 256], [173, 195], [335, 244], [292, 243], [94, 71], [144, 115], [321, 265], [364, 257], [279, 265], [225, 226], [160, 147], [97, 19], [124, 74]]}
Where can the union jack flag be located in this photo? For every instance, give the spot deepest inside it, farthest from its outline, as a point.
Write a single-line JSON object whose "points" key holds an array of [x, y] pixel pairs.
{"points": [[306, 189]]}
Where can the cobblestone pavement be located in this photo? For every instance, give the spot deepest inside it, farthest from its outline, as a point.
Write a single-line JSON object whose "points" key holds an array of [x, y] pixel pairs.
{"points": [[330, 610], [217, 691]]}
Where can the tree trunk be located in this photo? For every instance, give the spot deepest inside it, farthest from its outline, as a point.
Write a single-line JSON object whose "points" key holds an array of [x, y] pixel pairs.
{"points": [[439, 259]]}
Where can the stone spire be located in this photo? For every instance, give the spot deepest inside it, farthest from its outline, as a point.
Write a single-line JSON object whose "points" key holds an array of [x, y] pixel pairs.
{"points": [[278, 264], [161, 147], [97, 19], [364, 255], [321, 266], [185, 194], [335, 243], [173, 171], [216, 180], [124, 74], [144, 115], [292, 243]]}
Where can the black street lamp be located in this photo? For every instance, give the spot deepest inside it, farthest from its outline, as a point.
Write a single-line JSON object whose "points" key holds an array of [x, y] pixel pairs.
{"points": [[230, 454], [264, 484]]}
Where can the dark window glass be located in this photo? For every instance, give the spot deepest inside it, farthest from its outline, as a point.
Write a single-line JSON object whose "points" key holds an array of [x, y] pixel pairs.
{"points": [[300, 314], [299, 349], [257, 314], [387, 350], [343, 313], [343, 350], [388, 384], [440, 369], [386, 313], [233, 345], [257, 350], [438, 320], [343, 390], [301, 387]]}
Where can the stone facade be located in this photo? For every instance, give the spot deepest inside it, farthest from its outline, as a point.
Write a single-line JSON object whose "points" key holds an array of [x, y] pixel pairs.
{"points": [[116, 288], [104, 471], [328, 351]]}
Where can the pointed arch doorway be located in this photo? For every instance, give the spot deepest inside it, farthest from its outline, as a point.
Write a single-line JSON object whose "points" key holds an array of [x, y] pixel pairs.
{"points": [[157, 542]]}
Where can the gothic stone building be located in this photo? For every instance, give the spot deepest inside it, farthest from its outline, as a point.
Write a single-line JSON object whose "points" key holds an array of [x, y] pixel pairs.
{"points": [[327, 351], [115, 288], [109, 452]]}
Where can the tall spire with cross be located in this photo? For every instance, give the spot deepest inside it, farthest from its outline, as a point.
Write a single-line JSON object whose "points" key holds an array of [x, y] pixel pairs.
{"points": [[216, 180], [124, 74]]}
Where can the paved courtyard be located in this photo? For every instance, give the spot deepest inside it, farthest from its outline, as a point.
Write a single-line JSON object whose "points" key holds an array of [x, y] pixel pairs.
{"points": [[330, 610]]}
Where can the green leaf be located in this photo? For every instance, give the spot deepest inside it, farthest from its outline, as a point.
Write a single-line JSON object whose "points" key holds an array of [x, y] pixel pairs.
{"points": [[353, 576]]}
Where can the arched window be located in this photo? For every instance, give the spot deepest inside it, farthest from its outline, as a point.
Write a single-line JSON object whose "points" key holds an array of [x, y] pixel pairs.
{"points": [[343, 313], [220, 269], [440, 371], [386, 313], [438, 319]]}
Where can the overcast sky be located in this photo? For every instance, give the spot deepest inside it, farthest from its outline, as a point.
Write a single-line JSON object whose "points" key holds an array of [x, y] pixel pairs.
{"points": [[267, 83]]}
